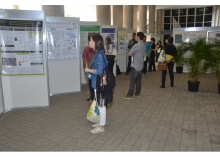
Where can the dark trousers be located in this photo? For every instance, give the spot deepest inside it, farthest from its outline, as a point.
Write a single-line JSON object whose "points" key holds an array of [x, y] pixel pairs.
{"points": [[152, 62], [91, 90], [129, 65], [164, 73], [135, 78], [145, 66]]}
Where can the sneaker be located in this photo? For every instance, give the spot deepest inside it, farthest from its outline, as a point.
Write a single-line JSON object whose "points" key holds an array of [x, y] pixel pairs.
{"points": [[89, 100], [95, 125], [97, 130], [143, 74], [127, 97]]}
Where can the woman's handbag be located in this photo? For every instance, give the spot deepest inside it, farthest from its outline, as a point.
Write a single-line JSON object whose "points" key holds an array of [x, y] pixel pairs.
{"points": [[162, 66], [161, 57], [93, 114]]}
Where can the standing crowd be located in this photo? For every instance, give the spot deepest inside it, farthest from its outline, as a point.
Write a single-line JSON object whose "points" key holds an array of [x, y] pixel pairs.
{"points": [[141, 58]]}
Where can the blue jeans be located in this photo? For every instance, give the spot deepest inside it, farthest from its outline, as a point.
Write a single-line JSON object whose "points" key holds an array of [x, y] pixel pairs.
{"points": [[164, 74], [135, 78]]}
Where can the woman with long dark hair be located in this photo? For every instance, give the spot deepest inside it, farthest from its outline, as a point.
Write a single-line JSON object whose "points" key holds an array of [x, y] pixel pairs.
{"points": [[170, 51], [99, 63]]}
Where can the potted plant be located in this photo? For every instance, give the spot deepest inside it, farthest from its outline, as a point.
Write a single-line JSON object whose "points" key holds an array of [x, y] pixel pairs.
{"points": [[197, 62], [182, 48]]}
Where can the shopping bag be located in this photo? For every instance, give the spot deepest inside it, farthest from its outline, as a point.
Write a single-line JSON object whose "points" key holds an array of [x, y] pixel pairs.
{"points": [[162, 66], [93, 114]]}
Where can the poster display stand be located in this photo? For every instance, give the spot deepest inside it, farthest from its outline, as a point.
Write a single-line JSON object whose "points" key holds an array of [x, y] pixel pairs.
{"points": [[24, 71], [111, 31], [85, 29], [63, 54], [122, 49], [190, 34]]}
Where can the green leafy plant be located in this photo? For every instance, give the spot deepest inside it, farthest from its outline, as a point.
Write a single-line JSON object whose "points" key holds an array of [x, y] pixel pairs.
{"points": [[182, 48], [200, 58]]}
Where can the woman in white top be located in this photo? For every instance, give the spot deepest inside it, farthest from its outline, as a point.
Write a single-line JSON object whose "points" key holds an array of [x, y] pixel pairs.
{"points": [[108, 46]]}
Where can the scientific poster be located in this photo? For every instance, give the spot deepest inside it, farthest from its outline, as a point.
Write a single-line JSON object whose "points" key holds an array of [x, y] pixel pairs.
{"points": [[110, 32], [121, 42], [85, 30], [21, 47], [62, 40]]}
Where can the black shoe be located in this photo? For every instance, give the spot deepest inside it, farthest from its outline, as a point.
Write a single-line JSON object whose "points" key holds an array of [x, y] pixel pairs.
{"points": [[162, 87]]}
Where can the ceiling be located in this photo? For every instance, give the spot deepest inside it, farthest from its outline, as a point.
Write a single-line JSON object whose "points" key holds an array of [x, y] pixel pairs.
{"points": [[179, 6]]}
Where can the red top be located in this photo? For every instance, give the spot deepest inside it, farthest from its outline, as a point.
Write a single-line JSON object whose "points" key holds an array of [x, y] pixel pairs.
{"points": [[88, 54]]}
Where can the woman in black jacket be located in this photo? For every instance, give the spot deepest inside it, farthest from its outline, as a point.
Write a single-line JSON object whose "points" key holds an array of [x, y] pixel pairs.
{"points": [[171, 52]]}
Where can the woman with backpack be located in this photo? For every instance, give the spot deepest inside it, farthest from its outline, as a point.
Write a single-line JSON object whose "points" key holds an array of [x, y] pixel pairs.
{"points": [[98, 66]]}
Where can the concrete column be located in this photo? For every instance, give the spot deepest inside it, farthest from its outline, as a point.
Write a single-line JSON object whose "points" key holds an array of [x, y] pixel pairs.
{"points": [[217, 15], [152, 10], [103, 14], [118, 15], [135, 18], [142, 18], [159, 22], [128, 17], [53, 10]]}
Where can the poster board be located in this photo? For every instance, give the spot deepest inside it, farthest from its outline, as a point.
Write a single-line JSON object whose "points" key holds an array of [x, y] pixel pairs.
{"points": [[63, 54], [24, 78], [122, 49], [111, 31], [85, 29]]}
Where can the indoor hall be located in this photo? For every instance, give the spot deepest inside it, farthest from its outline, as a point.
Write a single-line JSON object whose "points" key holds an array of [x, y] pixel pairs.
{"points": [[169, 119]]}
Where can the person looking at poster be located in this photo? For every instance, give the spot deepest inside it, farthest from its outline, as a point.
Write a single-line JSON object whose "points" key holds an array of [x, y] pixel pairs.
{"points": [[87, 57], [130, 45]]}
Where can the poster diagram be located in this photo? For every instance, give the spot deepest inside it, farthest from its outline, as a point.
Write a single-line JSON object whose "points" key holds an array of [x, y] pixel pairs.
{"points": [[62, 40], [121, 42], [21, 47]]}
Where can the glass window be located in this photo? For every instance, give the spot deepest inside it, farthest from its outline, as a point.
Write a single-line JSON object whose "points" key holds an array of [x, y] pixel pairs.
{"points": [[190, 24], [182, 25], [182, 12], [208, 18], [199, 11], [166, 19], [175, 12], [199, 18], [175, 18], [207, 24], [167, 13], [166, 26], [191, 11], [182, 19], [190, 19], [208, 10], [198, 25]]}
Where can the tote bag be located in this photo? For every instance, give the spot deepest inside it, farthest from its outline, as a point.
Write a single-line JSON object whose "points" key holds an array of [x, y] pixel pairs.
{"points": [[161, 57], [93, 114]]}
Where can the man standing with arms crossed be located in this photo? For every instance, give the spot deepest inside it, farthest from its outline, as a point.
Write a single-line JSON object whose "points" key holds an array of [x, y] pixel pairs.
{"points": [[137, 60]]}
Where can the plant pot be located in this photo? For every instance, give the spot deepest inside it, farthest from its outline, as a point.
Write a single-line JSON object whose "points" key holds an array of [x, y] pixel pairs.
{"points": [[179, 70], [218, 88], [193, 86]]}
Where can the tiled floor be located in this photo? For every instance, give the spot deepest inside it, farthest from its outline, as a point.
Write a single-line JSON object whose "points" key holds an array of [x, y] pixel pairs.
{"points": [[170, 119]]}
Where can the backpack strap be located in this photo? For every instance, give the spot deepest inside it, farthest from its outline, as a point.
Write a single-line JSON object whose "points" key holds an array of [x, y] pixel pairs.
{"points": [[106, 62]]}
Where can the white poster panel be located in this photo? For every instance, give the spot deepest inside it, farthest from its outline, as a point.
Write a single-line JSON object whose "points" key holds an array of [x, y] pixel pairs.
{"points": [[23, 52], [122, 42], [21, 47], [63, 54], [62, 40]]}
